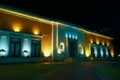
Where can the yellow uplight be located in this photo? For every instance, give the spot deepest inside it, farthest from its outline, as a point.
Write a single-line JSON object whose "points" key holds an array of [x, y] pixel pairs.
{"points": [[87, 53], [97, 41], [36, 31], [16, 27], [103, 43], [59, 51], [91, 40], [46, 53], [108, 44], [112, 53]]}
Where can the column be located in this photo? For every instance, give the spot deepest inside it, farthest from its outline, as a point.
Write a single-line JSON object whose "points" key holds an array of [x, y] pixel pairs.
{"points": [[26, 47], [4, 46]]}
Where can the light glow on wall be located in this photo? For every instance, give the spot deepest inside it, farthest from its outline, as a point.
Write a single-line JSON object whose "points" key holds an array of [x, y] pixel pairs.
{"points": [[69, 35], [87, 53], [106, 49], [62, 47], [73, 36], [91, 40], [112, 53], [108, 43], [101, 51], [16, 27], [2, 52], [82, 51], [36, 31], [76, 37], [66, 35], [26, 47], [4, 45], [26, 53], [46, 53], [97, 41], [59, 51], [80, 48], [103, 43], [96, 54]]}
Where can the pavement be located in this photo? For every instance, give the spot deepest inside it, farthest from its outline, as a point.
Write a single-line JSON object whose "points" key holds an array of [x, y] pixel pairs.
{"points": [[74, 71]]}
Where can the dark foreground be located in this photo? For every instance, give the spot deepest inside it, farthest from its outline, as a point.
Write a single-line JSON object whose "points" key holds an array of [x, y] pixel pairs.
{"points": [[75, 71]]}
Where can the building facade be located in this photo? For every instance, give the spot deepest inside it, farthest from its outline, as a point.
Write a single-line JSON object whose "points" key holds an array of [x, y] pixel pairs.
{"points": [[26, 36]]}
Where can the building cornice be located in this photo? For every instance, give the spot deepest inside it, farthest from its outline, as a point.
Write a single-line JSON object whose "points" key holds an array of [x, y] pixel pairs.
{"points": [[15, 13]]}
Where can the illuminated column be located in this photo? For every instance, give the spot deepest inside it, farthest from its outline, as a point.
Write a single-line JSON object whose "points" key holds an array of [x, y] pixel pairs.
{"points": [[26, 47], [52, 40], [55, 41], [96, 54], [101, 51], [4, 47], [80, 49], [66, 45], [106, 49]]}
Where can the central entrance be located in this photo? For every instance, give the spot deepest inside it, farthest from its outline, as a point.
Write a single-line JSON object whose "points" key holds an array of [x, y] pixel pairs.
{"points": [[73, 48]]}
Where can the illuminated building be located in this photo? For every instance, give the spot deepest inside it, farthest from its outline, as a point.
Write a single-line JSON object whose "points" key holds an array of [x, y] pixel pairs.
{"points": [[23, 35]]}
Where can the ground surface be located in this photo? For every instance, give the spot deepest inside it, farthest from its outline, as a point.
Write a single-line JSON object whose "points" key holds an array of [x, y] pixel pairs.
{"points": [[74, 71], [98, 70]]}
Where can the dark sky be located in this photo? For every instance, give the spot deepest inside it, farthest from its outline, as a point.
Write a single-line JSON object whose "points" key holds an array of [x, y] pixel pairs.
{"points": [[100, 16]]}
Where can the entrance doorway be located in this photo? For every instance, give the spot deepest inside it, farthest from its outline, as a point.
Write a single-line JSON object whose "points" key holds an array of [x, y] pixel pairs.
{"points": [[72, 48], [92, 52], [15, 47], [36, 48]]}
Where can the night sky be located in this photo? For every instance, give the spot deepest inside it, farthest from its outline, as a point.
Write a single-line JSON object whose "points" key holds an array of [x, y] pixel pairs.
{"points": [[99, 16]]}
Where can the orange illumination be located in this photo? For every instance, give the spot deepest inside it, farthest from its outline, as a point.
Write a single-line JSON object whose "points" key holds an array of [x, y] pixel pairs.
{"points": [[103, 43], [97, 41], [108, 44], [82, 52], [112, 53], [59, 51], [87, 53], [91, 40], [36, 31], [46, 53], [16, 27]]}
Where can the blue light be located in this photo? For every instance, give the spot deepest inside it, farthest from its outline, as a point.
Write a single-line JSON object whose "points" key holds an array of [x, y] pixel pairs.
{"points": [[26, 47], [101, 51], [107, 51], [96, 54], [73, 36], [66, 35], [69, 35], [4, 45], [76, 37], [62, 46]]}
